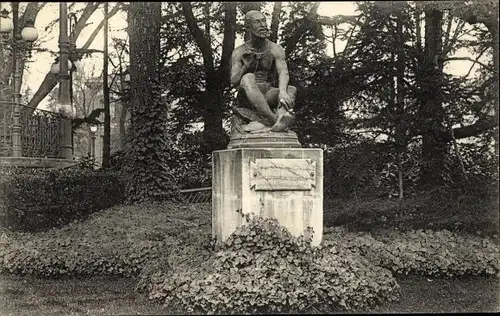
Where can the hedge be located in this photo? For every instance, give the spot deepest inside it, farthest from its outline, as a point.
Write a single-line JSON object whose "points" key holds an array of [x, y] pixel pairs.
{"points": [[39, 199]]}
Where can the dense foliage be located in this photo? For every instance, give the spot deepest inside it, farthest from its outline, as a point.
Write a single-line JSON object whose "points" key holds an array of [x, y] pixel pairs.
{"points": [[472, 209], [187, 167], [35, 199], [261, 268], [387, 130]]}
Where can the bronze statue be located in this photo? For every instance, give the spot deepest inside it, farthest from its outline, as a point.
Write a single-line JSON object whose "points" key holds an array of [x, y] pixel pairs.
{"points": [[264, 104]]}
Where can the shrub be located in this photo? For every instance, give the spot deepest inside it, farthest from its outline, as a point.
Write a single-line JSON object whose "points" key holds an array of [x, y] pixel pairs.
{"points": [[436, 210], [119, 241], [40, 199], [87, 162], [432, 253], [117, 160], [262, 268]]}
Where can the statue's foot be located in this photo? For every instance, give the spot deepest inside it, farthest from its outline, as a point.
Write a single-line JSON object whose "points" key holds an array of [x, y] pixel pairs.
{"points": [[253, 126], [284, 120], [265, 129]]}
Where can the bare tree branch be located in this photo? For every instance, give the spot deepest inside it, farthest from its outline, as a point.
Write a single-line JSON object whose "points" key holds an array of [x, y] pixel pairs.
{"points": [[50, 80], [31, 12], [197, 33], [86, 14], [314, 18], [338, 19], [48, 83], [447, 49], [94, 34], [475, 61], [447, 33], [475, 129], [471, 130], [305, 24]]}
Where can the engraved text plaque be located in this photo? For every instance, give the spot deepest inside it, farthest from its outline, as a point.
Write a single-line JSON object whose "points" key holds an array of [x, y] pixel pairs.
{"points": [[282, 174]]}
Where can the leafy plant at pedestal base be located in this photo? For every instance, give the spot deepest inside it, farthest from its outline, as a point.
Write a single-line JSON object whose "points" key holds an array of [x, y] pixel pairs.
{"points": [[262, 268]]}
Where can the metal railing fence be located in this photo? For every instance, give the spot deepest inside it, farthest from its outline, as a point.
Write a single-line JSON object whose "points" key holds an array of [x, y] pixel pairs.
{"points": [[40, 131]]}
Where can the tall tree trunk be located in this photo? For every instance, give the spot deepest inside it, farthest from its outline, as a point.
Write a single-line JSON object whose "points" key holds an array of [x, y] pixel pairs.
{"points": [[214, 136], [495, 34], [106, 141], [434, 147], [123, 107], [400, 131], [275, 21], [144, 54], [212, 116], [148, 149]]}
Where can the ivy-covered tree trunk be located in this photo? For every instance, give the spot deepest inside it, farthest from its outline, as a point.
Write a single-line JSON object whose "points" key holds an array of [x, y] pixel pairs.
{"points": [[150, 178], [434, 147]]}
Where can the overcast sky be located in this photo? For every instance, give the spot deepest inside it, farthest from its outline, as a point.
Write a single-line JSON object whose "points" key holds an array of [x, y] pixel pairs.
{"points": [[41, 62]]}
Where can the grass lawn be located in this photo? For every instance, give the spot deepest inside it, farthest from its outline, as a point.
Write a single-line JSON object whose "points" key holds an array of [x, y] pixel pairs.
{"points": [[116, 296]]}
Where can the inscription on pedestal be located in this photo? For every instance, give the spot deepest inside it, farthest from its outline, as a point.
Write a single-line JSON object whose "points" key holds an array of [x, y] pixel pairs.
{"points": [[282, 174]]}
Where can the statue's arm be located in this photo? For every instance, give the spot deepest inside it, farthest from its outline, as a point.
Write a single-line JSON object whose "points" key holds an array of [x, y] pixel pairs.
{"points": [[282, 69], [238, 68]]}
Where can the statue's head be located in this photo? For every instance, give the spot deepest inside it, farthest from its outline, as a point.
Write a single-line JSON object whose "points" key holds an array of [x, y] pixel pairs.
{"points": [[255, 22]]}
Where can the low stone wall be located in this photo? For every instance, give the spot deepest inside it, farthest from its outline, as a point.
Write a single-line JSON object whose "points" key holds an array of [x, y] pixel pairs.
{"points": [[35, 162]]}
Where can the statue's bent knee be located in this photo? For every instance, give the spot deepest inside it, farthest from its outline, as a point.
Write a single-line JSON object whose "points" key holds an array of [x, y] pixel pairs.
{"points": [[248, 80]]}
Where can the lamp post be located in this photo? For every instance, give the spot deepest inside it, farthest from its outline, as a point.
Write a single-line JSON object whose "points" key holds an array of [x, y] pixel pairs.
{"points": [[56, 66], [72, 49], [6, 26], [105, 90], [27, 35], [93, 131], [55, 69], [64, 84], [64, 46]]}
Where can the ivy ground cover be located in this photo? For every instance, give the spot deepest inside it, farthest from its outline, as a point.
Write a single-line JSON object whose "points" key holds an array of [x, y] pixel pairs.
{"points": [[128, 241]]}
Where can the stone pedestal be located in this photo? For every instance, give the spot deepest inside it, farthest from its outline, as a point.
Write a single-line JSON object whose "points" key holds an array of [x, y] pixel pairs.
{"points": [[264, 140], [281, 183]]}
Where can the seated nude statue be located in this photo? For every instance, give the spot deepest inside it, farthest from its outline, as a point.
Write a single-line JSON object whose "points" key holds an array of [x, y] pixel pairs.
{"points": [[261, 105]]}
